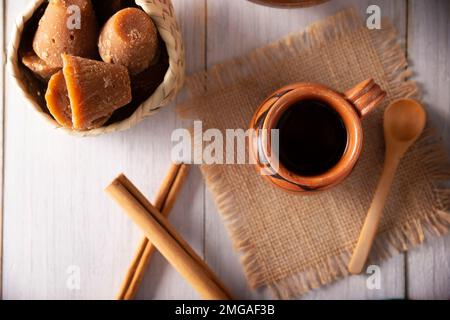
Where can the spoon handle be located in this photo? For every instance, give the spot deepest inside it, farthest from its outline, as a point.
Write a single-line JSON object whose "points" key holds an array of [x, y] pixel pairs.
{"points": [[373, 218]]}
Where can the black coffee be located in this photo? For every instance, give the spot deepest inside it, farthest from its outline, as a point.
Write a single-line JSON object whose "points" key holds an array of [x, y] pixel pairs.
{"points": [[313, 138]]}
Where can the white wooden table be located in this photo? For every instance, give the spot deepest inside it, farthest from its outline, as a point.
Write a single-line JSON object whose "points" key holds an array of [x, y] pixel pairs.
{"points": [[57, 221]]}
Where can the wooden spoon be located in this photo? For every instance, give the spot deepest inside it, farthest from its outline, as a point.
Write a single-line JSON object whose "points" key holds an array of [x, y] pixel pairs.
{"points": [[404, 120]]}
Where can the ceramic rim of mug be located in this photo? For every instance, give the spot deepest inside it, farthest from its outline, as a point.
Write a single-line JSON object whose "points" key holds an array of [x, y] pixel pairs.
{"points": [[352, 123]]}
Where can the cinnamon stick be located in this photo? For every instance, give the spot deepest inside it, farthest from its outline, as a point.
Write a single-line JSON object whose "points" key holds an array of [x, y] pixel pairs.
{"points": [[148, 248], [139, 264], [164, 237]]}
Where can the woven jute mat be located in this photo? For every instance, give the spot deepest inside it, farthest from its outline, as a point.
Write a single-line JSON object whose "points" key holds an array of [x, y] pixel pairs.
{"points": [[294, 243]]}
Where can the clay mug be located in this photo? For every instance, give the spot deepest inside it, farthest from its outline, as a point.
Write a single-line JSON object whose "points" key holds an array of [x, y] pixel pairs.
{"points": [[351, 106]]}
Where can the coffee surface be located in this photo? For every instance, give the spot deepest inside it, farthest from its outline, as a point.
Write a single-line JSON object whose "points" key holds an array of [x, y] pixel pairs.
{"points": [[312, 136]]}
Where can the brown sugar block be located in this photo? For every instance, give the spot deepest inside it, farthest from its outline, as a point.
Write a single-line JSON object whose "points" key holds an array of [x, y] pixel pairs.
{"points": [[39, 67], [96, 89], [58, 102], [129, 38], [67, 26]]}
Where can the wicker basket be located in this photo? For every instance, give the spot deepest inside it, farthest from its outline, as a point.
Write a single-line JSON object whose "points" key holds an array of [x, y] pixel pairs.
{"points": [[162, 13]]}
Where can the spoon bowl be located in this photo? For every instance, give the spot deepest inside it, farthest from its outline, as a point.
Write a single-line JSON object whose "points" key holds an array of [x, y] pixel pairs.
{"points": [[404, 120]]}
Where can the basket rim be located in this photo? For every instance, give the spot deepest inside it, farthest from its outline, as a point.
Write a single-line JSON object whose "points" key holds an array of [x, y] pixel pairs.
{"points": [[164, 93]]}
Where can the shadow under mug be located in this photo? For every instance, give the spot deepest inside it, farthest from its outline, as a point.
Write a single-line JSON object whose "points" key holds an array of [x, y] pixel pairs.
{"points": [[352, 106]]}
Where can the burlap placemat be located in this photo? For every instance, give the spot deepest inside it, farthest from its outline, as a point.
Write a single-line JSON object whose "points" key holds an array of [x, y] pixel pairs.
{"points": [[293, 243]]}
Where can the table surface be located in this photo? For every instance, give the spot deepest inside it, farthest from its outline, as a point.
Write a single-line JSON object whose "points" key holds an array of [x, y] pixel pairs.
{"points": [[58, 225]]}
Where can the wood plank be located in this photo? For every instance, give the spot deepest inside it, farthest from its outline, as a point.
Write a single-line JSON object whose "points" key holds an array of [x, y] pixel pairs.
{"points": [[2, 103], [161, 280], [56, 213], [429, 51], [234, 28]]}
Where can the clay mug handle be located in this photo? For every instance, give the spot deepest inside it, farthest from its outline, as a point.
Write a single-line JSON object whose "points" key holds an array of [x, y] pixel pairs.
{"points": [[365, 96]]}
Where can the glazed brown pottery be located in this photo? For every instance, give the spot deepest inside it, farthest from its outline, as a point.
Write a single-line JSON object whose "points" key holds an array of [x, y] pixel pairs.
{"points": [[350, 107]]}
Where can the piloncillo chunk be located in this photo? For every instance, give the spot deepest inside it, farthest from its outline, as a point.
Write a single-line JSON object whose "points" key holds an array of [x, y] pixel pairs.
{"points": [[129, 38], [96, 89], [58, 102], [39, 66], [67, 26]]}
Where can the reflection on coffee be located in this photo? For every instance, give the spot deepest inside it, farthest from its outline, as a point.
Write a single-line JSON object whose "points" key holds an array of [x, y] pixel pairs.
{"points": [[312, 138]]}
